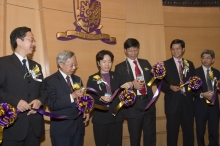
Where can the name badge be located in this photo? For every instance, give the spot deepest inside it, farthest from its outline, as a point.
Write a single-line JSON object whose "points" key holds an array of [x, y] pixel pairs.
{"points": [[108, 94]]}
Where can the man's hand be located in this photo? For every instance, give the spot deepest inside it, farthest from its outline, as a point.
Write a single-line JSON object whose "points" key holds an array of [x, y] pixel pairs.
{"points": [[138, 84], [77, 93], [207, 95], [175, 88], [105, 98], [86, 117], [34, 104], [127, 85], [23, 106]]}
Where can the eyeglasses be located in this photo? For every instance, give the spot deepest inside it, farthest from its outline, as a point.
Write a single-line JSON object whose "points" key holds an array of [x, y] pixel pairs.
{"points": [[132, 50], [72, 65], [31, 39]]}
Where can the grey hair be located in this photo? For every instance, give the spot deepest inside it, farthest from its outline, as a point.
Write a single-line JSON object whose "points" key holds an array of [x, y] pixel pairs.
{"points": [[63, 56], [210, 52]]}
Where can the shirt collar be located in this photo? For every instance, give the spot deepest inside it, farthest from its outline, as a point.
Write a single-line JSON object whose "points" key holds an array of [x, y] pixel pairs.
{"points": [[20, 57], [176, 60], [131, 61], [204, 68], [63, 74]]}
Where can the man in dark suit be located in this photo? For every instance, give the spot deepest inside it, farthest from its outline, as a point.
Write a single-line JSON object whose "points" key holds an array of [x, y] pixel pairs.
{"points": [[138, 119], [178, 100], [204, 111], [22, 93], [61, 97]]}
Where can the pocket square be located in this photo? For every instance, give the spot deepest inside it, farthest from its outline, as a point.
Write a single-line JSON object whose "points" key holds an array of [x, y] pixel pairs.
{"points": [[146, 69]]}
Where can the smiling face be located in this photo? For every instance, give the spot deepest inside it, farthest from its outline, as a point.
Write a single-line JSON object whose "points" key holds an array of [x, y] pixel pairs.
{"points": [[26, 45], [132, 52], [105, 64], [177, 51], [69, 66]]}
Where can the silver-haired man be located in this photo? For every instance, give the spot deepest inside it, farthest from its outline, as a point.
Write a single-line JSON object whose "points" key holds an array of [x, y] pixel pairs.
{"points": [[61, 97]]}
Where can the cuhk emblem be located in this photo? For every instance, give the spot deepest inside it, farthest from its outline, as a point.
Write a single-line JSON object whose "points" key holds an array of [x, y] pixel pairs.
{"points": [[87, 15]]}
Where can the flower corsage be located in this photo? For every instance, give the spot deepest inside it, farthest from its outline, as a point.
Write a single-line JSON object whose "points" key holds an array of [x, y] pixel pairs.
{"points": [[212, 78], [99, 80], [186, 67], [35, 73]]}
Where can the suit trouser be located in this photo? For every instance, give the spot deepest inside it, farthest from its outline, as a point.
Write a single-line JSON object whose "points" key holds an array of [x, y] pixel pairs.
{"points": [[30, 140], [144, 121], [212, 117], [184, 118], [75, 140], [108, 134]]}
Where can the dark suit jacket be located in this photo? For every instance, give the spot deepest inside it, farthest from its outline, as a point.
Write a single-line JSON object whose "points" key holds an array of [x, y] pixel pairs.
{"points": [[125, 72], [200, 105], [172, 101], [59, 103], [13, 88], [101, 116]]}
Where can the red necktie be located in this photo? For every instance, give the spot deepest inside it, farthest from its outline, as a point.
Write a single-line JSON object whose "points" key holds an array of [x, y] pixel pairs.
{"points": [[138, 73], [69, 83]]}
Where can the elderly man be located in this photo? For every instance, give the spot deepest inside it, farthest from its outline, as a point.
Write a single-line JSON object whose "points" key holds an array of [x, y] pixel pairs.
{"points": [[61, 97]]}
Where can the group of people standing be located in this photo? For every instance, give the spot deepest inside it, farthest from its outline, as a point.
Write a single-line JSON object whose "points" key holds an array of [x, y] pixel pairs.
{"points": [[57, 91]]}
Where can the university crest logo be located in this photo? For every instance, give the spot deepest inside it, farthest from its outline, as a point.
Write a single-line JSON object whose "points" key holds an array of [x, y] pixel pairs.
{"points": [[87, 25]]}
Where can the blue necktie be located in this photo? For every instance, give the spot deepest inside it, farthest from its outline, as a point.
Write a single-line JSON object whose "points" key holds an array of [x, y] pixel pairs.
{"points": [[24, 65]]}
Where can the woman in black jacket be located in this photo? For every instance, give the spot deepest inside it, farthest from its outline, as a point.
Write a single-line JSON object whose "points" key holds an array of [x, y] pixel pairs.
{"points": [[107, 128]]}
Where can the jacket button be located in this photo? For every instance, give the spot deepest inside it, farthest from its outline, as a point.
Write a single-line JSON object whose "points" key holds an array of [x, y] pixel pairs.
{"points": [[29, 95], [29, 81]]}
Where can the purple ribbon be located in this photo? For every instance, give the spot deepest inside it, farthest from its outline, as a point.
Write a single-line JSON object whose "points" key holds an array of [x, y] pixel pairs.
{"points": [[155, 95], [214, 96]]}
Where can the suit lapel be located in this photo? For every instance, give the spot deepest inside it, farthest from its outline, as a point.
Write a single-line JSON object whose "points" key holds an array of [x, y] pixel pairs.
{"points": [[63, 82], [17, 63], [128, 70]]}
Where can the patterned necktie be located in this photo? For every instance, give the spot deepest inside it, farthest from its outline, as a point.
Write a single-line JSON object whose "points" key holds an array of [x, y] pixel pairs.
{"points": [[180, 72], [138, 73], [24, 65], [209, 83], [69, 83], [181, 75]]}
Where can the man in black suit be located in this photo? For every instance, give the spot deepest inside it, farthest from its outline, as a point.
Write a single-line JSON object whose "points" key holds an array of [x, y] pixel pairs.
{"points": [[206, 112], [178, 100], [22, 93], [138, 119], [61, 101]]}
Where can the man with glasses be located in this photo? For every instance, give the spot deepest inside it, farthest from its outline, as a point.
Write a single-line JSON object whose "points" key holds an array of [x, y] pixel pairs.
{"points": [[22, 91], [61, 101], [137, 72], [206, 105]]}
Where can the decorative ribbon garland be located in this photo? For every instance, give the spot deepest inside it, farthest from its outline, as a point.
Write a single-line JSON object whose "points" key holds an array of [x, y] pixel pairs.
{"points": [[159, 72], [193, 83], [127, 98]]}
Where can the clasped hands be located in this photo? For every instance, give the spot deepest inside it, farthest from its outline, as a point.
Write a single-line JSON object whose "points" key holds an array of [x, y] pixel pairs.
{"points": [[24, 106]]}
